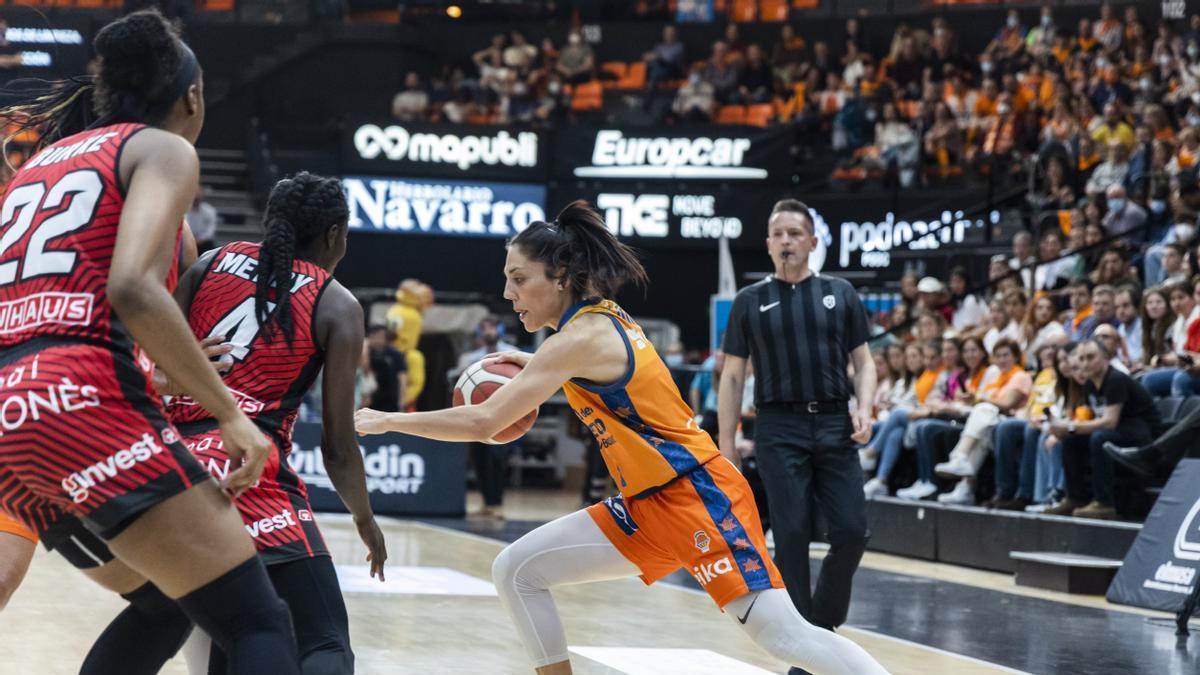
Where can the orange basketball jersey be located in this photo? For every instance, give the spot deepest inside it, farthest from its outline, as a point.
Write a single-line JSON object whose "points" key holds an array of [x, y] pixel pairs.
{"points": [[646, 432]]}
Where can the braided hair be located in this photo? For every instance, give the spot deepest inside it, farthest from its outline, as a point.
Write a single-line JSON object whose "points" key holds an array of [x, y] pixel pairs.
{"points": [[300, 210], [140, 56], [579, 247]]}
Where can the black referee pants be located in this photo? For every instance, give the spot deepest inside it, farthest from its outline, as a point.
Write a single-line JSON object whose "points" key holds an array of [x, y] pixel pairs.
{"points": [[807, 461]]}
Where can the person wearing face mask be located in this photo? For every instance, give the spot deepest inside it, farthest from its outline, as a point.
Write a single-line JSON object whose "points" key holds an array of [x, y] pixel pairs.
{"points": [[1123, 216], [1108, 31], [1040, 38], [1010, 39]]}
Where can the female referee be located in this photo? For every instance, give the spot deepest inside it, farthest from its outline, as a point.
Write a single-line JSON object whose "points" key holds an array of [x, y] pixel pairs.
{"points": [[681, 504]]}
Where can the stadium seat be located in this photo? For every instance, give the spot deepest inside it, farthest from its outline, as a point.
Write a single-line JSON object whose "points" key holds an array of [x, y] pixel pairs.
{"points": [[806, 4], [744, 11], [634, 78], [1170, 408], [1189, 405], [618, 69], [759, 115], [773, 10], [731, 114], [587, 96]]}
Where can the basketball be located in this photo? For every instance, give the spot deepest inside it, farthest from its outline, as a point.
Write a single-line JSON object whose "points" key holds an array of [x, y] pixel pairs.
{"points": [[479, 381]]}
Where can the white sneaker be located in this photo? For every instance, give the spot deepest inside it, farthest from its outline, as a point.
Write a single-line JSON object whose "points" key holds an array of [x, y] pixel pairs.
{"points": [[918, 490], [962, 493], [769, 539], [957, 467], [867, 462], [875, 488]]}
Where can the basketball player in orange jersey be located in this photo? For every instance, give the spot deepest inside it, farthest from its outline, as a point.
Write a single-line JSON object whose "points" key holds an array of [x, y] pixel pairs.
{"points": [[681, 503]]}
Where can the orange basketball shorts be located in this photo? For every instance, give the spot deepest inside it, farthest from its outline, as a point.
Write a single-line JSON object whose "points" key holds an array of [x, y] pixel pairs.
{"points": [[705, 521], [10, 525]]}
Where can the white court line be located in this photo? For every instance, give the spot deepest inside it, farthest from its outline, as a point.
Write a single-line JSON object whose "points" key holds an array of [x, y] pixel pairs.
{"points": [[661, 661], [864, 631]]}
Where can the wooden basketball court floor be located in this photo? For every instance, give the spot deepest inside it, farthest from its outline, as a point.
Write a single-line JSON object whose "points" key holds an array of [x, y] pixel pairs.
{"points": [[438, 614]]}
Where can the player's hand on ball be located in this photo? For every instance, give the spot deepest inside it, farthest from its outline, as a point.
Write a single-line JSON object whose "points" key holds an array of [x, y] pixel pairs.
{"points": [[520, 359], [368, 422], [248, 449]]}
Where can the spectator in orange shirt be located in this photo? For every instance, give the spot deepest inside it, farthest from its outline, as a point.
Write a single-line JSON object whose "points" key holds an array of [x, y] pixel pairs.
{"points": [[1084, 40], [1021, 97], [1003, 130]]}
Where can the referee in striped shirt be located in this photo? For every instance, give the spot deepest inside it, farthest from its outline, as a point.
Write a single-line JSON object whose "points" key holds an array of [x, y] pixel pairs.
{"points": [[802, 330]]}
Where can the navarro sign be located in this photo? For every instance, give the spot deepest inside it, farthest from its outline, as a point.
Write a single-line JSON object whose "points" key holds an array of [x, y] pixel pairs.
{"points": [[445, 150], [406, 475], [446, 207]]}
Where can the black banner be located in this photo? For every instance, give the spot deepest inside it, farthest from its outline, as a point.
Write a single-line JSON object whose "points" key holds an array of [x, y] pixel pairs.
{"points": [[406, 475], [444, 150], [705, 154], [668, 214], [1161, 567]]}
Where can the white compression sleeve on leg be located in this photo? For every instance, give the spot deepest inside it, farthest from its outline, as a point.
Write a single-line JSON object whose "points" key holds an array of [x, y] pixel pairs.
{"points": [[195, 651], [770, 619], [569, 550]]}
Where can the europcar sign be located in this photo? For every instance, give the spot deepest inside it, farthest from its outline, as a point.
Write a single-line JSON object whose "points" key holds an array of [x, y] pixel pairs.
{"points": [[726, 153], [442, 207], [445, 150]]}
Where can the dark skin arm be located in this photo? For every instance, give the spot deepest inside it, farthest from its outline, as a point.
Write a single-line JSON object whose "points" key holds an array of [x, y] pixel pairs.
{"points": [[160, 170], [340, 334]]}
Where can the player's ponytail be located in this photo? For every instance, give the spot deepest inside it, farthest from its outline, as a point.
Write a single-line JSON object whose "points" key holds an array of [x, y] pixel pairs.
{"points": [[578, 248], [299, 210]]}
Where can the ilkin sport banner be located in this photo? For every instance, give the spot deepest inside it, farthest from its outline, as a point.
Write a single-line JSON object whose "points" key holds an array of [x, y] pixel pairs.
{"points": [[1161, 567], [406, 475]]}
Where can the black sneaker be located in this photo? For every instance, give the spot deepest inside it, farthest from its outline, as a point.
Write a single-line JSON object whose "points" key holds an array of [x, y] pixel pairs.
{"points": [[1141, 461]]}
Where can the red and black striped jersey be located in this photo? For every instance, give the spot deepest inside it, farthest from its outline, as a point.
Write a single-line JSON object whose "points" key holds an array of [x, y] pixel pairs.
{"points": [[58, 230], [270, 374]]}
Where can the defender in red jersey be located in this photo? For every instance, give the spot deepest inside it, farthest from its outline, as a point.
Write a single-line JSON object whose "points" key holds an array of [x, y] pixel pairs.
{"points": [[283, 317], [89, 231]]}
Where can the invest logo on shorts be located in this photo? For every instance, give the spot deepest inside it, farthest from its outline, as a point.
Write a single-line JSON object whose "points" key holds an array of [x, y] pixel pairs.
{"points": [[78, 484]]}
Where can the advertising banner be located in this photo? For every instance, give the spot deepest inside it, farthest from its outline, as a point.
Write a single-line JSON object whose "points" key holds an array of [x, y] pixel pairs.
{"points": [[1161, 567], [445, 150], [724, 153], [442, 207], [406, 475]]}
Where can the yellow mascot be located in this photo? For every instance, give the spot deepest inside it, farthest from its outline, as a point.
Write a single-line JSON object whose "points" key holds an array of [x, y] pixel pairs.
{"points": [[404, 319]]}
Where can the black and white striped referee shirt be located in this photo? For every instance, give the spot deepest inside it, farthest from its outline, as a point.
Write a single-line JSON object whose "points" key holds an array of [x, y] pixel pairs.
{"points": [[799, 337]]}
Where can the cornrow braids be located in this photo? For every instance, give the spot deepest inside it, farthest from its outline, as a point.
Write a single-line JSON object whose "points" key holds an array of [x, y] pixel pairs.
{"points": [[300, 209]]}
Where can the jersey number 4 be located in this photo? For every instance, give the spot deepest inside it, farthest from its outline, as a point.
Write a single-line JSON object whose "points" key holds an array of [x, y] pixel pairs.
{"points": [[239, 327], [25, 203]]}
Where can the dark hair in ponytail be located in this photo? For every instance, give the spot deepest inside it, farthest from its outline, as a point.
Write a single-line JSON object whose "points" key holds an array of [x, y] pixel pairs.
{"points": [[578, 248], [143, 65], [299, 210]]}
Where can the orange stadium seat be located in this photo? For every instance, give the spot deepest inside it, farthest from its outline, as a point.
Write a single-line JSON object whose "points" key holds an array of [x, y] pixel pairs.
{"points": [[731, 114], [773, 10], [587, 96], [744, 11], [760, 115], [635, 76], [806, 4], [617, 69]]}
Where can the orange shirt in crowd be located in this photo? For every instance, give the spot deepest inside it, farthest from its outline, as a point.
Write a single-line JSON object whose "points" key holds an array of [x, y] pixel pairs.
{"points": [[1185, 157], [925, 383], [1080, 316], [984, 106]]}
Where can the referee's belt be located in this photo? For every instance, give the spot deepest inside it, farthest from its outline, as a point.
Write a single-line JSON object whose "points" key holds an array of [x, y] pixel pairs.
{"points": [[808, 407]]}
